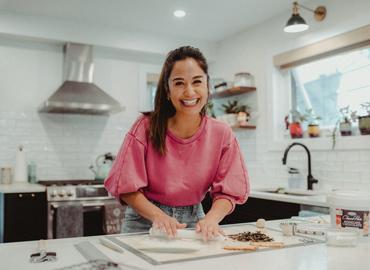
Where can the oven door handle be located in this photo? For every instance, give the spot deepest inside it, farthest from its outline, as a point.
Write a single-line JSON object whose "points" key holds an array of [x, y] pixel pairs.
{"points": [[94, 204], [85, 204]]}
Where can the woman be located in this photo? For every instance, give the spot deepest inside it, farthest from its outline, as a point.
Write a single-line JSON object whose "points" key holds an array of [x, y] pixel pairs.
{"points": [[171, 157]]}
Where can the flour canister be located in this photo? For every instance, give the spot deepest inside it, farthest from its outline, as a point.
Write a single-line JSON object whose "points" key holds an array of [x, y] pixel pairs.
{"points": [[350, 209]]}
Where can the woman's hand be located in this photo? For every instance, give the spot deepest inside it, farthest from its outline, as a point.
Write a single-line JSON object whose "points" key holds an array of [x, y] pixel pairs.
{"points": [[209, 228], [167, 224]]}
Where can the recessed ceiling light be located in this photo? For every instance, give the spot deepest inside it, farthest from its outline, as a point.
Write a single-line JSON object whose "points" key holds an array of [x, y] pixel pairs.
{"points": [[179, 13]]}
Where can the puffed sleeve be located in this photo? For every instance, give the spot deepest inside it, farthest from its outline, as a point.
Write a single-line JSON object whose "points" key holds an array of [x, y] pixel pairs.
{"points": [[128, 173], [231, 180]]}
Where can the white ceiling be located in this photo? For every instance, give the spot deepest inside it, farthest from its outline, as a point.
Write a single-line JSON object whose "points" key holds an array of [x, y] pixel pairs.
{"points": [[209, 20]]}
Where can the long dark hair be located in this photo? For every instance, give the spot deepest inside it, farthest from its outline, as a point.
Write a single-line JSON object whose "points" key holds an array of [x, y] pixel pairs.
{"points": [[163, 107]]}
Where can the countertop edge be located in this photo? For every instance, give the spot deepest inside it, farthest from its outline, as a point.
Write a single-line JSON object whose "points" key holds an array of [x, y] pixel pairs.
{"points": [[21, 187], [316, 200]]}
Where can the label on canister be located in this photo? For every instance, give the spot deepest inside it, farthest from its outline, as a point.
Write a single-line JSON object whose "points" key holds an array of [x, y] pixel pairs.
{"points": [[345, 218]]}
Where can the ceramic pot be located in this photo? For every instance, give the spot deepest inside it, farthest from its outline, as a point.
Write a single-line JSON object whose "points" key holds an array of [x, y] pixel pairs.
{"points": [[364, 124], [313, 130], [295, 130], [231, 119], [345, 129]]}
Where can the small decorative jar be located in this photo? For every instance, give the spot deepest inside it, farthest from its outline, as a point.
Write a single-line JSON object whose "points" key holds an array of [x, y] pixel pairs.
{"points": [[313, 130], [364, 124], [345, 128], [243, 79], [295, 130]]}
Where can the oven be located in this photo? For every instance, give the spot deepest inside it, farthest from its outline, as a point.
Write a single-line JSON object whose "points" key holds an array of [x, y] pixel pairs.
{"points": [[88, 195]]}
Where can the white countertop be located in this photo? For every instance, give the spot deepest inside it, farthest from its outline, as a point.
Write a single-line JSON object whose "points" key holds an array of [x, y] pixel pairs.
{"points": [[21, 187], [318, 257], [315, 200]]}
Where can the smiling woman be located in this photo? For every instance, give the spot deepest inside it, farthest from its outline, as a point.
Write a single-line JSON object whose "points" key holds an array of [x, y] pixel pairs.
{"points": [[173, 156], [189, 94]]}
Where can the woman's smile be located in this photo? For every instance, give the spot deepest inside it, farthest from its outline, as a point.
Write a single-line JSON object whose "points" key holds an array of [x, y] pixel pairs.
{"points": [[190, 102], [188, 87]]}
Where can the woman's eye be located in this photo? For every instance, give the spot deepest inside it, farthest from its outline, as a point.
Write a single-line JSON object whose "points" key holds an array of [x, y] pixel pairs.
{"points": [[197, 82], [179, 83]]}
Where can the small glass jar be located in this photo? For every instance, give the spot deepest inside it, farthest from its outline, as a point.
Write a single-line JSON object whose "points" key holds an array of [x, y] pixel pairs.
{"points": [[295, 179], [295, 130], [32, 177], [6, 175], [313, 130], [243, 79], [344, 238]]}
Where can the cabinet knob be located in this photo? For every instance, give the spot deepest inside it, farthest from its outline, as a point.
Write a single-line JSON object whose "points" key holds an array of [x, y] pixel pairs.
{"points": [[20, 195], [33, 195]]}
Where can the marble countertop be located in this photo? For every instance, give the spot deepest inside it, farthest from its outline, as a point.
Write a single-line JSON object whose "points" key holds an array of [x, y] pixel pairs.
{"points": [[317, 256], [314, 200], [18, 187]]}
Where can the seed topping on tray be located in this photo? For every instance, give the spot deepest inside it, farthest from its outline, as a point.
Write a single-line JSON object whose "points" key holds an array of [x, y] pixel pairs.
{"points": [[251, 236]]}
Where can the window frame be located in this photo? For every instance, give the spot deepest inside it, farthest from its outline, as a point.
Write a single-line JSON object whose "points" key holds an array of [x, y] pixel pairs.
{"points": [[279, 91]]}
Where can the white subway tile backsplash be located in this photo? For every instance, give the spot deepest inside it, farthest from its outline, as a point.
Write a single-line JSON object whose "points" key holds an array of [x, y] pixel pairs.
{"points": [[351, 156], [365, 178], [364, 156]]}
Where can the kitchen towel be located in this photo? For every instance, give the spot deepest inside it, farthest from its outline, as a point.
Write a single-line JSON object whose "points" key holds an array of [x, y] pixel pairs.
{"points": [[69, 220], [113, 217]]}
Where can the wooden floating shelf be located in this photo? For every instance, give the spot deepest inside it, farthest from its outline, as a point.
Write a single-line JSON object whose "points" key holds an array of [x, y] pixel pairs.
{"points": [[233, 92], [245, 127]]}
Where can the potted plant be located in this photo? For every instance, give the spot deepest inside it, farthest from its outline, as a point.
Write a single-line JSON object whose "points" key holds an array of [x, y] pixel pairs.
{"points": [[232, 109], [364, 120], [295, 118], [313, 128], [210, 109], [345, 123]]}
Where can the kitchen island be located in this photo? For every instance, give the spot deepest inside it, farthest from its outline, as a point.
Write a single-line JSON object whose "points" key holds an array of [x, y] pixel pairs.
{"points": [[312, 256]]}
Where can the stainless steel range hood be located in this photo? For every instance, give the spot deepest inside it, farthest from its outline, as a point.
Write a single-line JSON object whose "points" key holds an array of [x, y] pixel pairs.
{"points": [[78, 94]]}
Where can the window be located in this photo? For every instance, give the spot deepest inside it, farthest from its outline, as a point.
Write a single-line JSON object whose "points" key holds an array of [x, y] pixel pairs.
{"points": [[322, 77], [329, 84], [148, 80], [151, 82]]}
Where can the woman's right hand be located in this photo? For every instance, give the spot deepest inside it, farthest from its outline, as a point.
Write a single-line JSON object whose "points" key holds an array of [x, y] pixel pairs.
{"points": [[167, 224]]}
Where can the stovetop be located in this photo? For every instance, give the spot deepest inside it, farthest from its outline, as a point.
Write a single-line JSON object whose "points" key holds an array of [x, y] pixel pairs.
{"points": [[75, 190], [70, 182]]}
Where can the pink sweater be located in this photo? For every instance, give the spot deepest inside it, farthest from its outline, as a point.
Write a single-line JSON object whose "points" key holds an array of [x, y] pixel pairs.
{"points": [[209, 160]]}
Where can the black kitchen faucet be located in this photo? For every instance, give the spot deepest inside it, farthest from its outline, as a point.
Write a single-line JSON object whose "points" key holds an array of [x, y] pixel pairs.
{"points": [[310, 179]]}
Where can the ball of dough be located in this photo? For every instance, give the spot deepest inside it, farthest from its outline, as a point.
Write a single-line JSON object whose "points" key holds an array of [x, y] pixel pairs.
{"points": [[261, 223]]}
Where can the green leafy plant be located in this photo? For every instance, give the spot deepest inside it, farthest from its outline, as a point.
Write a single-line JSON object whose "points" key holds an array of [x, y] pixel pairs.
{"points": [[232, 107], [311, 117], [296, 117], [347, 116], [333, 135], [366, 107], [210, 109]]}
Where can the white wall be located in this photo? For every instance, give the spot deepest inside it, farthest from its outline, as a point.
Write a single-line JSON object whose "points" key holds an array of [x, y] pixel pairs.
{"points": [[63, 146], [59, 30], [252, 51]]}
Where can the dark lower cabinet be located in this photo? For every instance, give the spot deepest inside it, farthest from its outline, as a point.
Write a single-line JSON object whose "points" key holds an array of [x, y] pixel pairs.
{"points": [[24, 216], [255, 208]]}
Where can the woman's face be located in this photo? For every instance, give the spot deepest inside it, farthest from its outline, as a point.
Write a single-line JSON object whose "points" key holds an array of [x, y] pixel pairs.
{"points": [[188, 89]]}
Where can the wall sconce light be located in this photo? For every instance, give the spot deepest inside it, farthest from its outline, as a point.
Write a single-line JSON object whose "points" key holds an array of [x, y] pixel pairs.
{"points": [[297, 24]]}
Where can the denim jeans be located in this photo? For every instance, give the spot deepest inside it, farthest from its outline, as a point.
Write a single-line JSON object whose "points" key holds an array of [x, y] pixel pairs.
{"points": [[133, 222]]}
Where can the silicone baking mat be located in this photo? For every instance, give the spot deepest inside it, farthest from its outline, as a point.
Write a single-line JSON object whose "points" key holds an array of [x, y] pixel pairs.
{"points": [[137, 243]]}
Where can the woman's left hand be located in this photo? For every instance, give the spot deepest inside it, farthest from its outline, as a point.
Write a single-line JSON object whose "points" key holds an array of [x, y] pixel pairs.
{"points": [[209, 228]]}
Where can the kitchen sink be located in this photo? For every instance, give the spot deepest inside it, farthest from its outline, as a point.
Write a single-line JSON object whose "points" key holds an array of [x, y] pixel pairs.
{"points": [[287, 191]]}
